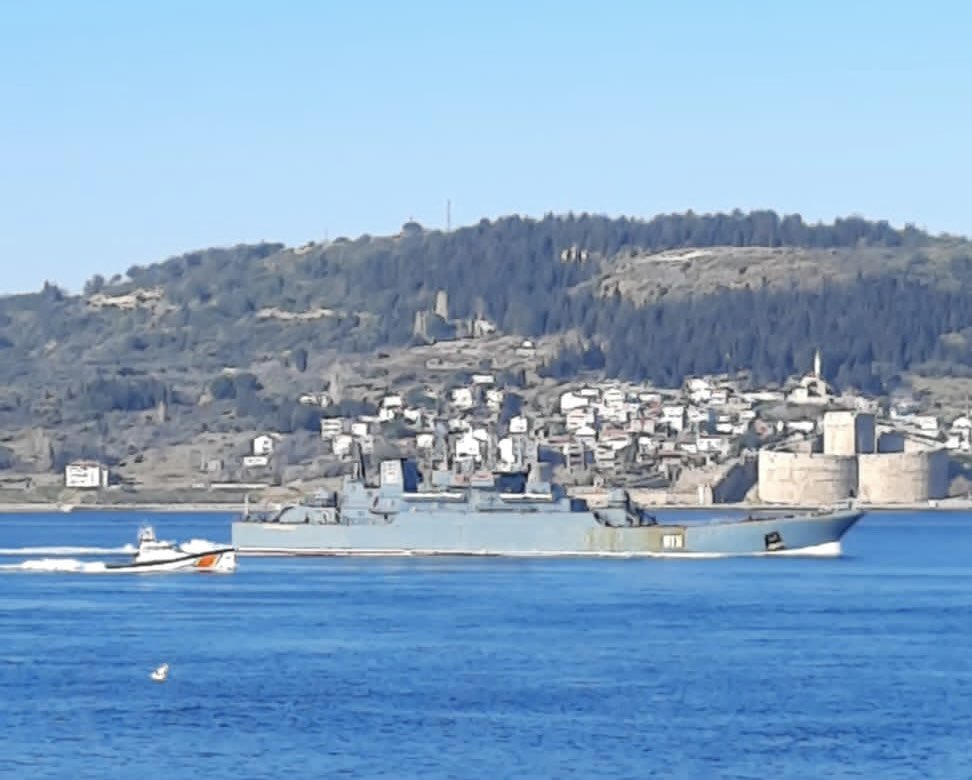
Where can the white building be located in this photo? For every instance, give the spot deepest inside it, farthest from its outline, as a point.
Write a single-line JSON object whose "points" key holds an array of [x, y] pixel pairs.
{"points": [[578, 418], [926, 423], [507, 453], [263, 444], [468, 446], [604, 456], [957, 442], [519, 424], [458, 425], [341, 444], [640, 425], [769, 396], [962, 423], [586, 436], [698, 416], [392, 402], [647, 445], [616, 440], [570, 401], [715, 444], [697, 384], [462, 398], [494, 399], [85, 474], [331, 427], [803, 426], [613, 397], [719, 397], [255, 461], [674, 416]]}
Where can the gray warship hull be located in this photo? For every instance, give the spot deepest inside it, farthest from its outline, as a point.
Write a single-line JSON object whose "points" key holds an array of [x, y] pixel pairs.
{"points": [[437, 530]]}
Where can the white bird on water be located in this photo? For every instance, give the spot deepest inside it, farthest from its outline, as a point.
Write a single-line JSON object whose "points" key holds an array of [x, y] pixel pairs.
{"points": [[160, 674]]}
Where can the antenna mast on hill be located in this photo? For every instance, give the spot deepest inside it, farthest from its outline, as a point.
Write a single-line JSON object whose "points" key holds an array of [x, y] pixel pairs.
{"points": [[448, 216]]}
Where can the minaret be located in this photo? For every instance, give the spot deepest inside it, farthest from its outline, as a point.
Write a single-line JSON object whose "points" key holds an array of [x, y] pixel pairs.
{"points": [[816, 363], [420, 325]]}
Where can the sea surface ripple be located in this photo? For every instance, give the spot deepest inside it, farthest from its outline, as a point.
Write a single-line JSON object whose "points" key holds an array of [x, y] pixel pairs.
{"points": [[857, 666]]}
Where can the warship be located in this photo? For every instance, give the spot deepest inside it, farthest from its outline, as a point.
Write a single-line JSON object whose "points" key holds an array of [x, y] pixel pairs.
{"points": [[513, 514]]}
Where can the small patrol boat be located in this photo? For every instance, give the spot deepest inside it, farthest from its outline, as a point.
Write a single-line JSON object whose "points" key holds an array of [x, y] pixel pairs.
{"points": [[155, 554]]}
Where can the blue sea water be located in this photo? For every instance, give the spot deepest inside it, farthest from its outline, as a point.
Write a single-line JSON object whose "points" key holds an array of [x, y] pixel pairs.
{"points": [[859, 666]]}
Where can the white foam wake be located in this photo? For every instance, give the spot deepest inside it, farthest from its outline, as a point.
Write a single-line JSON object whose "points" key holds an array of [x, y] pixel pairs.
{"points": [[68, 565], [200, 546], [128, 549], [825, 550]]}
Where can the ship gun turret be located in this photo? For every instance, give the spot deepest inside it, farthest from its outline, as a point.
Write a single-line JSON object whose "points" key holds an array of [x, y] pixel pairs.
{"points": [[622, 512]]}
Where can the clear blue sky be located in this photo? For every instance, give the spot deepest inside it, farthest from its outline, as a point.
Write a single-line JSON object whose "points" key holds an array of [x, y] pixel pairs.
{"points": [[133, 131]]}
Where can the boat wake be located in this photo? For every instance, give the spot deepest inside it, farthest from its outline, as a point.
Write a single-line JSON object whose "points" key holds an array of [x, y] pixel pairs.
{"points": [[128, 549], [825, 550], [64, 565]]}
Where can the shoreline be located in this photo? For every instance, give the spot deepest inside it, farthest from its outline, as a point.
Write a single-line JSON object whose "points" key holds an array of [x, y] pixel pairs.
{"points": [[53, 507]]}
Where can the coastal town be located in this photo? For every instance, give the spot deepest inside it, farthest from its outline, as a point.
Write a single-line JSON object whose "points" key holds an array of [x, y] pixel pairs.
{"points": [[480, 404]]}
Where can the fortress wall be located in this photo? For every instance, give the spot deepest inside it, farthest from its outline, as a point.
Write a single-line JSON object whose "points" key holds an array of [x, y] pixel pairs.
{"points": [[808, 479], [903, 477]]}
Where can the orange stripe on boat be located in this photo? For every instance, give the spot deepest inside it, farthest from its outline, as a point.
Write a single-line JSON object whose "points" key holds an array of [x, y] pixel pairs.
{"points": [[206, 561]]}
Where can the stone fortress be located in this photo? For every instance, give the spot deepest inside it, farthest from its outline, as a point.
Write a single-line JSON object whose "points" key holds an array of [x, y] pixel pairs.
{"points": [[854, 459]]}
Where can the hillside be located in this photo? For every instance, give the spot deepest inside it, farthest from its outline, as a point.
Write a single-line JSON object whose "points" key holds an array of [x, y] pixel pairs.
{"points": [[227, 339]]}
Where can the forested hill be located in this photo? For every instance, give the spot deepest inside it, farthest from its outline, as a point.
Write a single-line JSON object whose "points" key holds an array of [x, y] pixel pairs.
{"points": [[658, 299]]}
